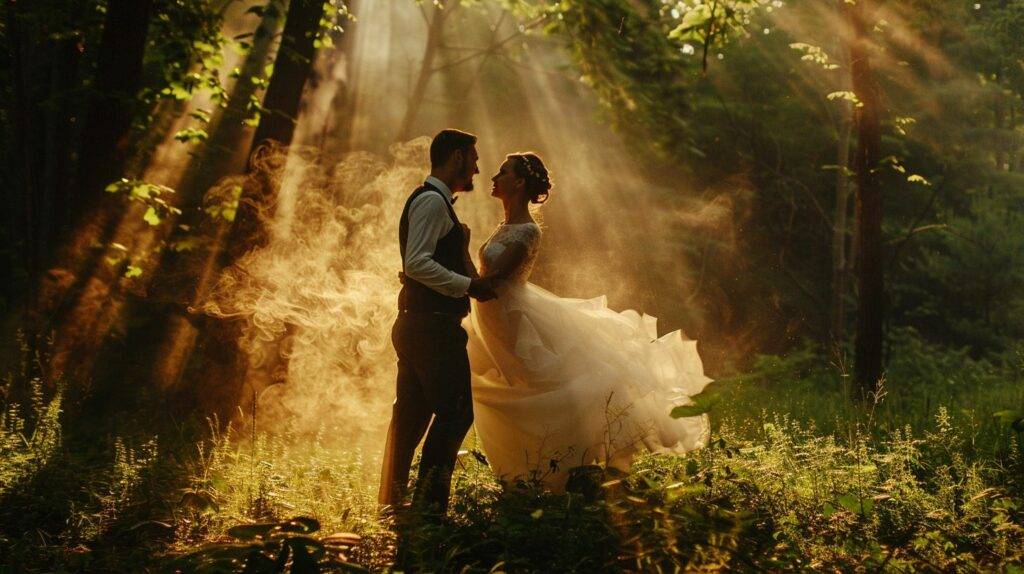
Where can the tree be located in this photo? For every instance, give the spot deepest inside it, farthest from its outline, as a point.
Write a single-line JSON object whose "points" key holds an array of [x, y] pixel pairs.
{"points": [[118, 79], [435, 39], [870, 266], [291, 70]]}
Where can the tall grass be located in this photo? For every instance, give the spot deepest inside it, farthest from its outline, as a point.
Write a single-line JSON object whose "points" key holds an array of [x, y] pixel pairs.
{"points": [[797, 477]]}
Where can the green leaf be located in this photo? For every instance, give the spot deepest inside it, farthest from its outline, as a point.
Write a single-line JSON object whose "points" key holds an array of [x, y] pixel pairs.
{"points": [[192, 135], [132, 271], [304, 524], [855, 504], [692, 467], [201, 115], [142, 190], [845, 95], [151, 216], [688, 411], [250, 531], [702, 403], [849, 502], [311, 548]]}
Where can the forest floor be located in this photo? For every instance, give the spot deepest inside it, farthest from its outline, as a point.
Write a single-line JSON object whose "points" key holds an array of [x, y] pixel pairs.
{"points": [[928, 478]]}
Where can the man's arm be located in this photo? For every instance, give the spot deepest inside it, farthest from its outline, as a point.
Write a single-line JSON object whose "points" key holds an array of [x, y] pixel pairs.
{"points": [[428, 223], [467, 259]]}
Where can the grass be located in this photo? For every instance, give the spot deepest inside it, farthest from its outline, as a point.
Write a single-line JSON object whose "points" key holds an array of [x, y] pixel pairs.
{"points": [[796, 478]]}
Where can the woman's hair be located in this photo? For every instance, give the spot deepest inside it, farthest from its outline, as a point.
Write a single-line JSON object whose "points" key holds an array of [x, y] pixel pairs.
{"points": [[530, 167]]}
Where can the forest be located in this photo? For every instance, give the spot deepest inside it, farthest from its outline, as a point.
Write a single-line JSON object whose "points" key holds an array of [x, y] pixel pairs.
{"points": [[202, 201]]}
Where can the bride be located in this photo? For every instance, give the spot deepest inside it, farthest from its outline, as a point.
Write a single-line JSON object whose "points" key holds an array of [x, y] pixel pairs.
{"points": [[559, 382]]}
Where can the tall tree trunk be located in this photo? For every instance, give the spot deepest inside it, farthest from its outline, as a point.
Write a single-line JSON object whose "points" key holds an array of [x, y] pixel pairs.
{"points": [[22, 187], [291, 70], [103, 149], [222, 360], [345, 98], [118, 79], [56, 177], [840, 228], [435, 35], [183, 279], [222, 153], [870, 279]]}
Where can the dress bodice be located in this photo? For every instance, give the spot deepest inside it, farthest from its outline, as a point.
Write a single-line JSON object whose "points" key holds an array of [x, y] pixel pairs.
{"points": [[507, 234]]}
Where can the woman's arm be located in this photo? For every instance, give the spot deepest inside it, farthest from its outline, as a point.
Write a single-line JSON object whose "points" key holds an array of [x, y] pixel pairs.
{"points": [[508, 261]]}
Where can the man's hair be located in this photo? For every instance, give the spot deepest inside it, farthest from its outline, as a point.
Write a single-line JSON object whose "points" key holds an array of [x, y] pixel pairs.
{"points": [[446, 142]]}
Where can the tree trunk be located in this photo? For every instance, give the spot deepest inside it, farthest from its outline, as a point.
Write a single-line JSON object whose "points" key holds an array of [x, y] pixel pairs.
{"points": [[228, 133], [435, 34], [841, 255], [183, 279], [224, 364], [56, 180], [345, 98], [118, 79], [291, 70], [21, 189], [870, 279]]}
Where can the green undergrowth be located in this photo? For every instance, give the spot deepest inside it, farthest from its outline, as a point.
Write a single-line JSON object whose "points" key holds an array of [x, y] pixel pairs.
{"points": [[930, 477], [982, 397]]}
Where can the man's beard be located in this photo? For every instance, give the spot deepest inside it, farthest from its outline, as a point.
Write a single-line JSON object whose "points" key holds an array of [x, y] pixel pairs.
{"points": [[467, 180]]}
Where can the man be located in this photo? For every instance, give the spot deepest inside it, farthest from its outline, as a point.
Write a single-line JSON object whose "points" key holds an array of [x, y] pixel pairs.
{"points": [[433, 366]]}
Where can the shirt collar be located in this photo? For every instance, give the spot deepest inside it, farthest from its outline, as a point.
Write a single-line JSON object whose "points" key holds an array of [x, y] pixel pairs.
{"points": [[440, 185]]}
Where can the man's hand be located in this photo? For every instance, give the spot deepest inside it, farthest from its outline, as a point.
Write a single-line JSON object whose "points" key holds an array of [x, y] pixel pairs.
{"points": [[482, 289]]}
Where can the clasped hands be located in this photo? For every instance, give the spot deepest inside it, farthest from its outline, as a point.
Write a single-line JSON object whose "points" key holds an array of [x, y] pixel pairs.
{"points": [[482, 288]]}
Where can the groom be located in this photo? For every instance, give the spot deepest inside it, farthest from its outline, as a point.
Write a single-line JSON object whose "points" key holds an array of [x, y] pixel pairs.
{"points": [[433, 367]]}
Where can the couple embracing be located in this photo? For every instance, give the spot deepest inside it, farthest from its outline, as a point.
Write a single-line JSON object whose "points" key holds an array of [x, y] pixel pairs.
{"points": [[551, 383]]}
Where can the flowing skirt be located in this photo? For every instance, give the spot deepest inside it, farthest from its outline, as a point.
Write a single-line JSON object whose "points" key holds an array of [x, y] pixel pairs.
{"points": [[560, 383]]}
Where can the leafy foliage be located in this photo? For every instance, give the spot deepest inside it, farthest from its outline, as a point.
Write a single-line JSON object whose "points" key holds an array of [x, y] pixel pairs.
{"points": [[288, 546], [795, 477]]}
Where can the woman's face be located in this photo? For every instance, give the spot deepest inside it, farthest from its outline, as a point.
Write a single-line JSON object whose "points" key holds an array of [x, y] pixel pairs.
{"points": [[506, 184]]}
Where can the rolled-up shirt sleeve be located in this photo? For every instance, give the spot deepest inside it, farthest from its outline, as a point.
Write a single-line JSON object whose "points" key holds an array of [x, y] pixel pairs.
{"points": [[428, 223]]}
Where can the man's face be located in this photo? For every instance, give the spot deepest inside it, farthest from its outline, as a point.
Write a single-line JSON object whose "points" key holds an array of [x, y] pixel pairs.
{"points": [[469, 169]]}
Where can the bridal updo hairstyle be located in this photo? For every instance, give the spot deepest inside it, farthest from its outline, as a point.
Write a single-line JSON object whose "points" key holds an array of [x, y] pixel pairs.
{"points": [[529, 166]]}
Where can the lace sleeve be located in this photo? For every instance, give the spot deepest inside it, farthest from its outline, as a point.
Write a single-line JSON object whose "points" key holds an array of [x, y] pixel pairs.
{"points": [[527, 235]]}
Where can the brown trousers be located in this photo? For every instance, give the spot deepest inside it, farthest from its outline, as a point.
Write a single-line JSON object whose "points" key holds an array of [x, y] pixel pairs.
{"points": [[433, 383]]}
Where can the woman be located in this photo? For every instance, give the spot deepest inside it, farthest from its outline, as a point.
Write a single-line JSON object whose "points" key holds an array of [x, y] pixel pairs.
{"points": [[559, 382]]}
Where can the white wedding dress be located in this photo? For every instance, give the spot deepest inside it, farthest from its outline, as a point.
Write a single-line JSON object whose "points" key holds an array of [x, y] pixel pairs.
{"points": [[560, 383]]}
